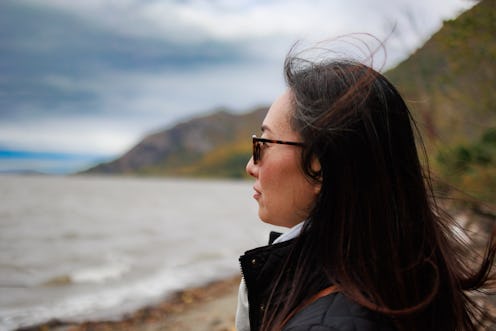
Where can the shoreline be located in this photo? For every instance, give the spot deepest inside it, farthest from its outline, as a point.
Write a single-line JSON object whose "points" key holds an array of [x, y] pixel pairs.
{"points": [[210, 307]]}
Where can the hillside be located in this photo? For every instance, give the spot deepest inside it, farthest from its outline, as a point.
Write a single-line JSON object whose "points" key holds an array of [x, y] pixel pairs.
{"points": [[448, 83], [215, 145]]}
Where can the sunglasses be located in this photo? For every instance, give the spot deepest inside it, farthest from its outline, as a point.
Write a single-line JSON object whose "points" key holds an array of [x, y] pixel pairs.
{"points": [[257, 146]]}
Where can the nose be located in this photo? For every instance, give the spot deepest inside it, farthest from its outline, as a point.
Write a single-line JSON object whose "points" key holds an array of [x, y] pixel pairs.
{"points": [[251, 168]]}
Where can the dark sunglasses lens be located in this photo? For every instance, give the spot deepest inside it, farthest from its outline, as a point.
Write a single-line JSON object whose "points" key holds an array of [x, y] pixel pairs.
{"points": [[256, 151]]}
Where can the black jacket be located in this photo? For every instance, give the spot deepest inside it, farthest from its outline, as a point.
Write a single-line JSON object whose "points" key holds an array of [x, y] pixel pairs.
{"points": [[334, 312]]}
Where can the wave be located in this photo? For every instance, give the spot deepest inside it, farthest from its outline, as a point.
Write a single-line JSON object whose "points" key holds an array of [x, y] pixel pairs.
{"points": [[95, 275], [113, 302]]}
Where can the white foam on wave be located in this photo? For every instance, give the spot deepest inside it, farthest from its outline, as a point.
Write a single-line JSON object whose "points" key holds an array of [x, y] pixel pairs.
{"points": [[97, 274], [95, 305], [112, 303], [100, 274]]}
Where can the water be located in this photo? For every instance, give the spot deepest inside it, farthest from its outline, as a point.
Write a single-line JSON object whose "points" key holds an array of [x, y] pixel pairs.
{"points": [[78, 248]]}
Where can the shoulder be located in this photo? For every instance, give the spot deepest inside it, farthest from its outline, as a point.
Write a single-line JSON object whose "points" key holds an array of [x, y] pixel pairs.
{"points": [[336, 312]]}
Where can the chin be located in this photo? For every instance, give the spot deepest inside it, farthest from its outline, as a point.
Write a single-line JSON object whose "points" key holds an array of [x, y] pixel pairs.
{"points": [[268, 220], [265, 218]]}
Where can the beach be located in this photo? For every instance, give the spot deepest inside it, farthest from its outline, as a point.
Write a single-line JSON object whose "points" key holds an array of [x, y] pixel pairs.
{"points": [[90, 249], [90, 253], [211, 307]]}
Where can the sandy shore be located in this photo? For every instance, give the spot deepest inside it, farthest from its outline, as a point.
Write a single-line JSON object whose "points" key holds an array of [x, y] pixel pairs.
{"points": [[207, 308]]}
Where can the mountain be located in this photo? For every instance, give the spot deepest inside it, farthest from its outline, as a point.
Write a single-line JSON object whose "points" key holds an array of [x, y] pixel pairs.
{"points": [[450, 81], [218, 144], [448, 84]]}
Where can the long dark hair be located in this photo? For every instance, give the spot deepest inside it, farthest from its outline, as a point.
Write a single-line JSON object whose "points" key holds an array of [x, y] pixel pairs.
{"points": [[376, 228]]}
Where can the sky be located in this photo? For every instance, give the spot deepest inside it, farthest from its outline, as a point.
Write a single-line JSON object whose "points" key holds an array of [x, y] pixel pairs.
{"points": [[83, 81]]}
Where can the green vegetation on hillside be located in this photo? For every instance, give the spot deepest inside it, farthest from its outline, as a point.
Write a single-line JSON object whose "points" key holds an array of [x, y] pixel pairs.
{"points": [[215, 145], [449, 82], [226, 161], [472, 166], [449, 86]]}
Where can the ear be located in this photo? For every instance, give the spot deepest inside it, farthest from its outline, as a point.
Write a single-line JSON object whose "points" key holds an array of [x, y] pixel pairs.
{"points": [[316, 167], [317, 187]]}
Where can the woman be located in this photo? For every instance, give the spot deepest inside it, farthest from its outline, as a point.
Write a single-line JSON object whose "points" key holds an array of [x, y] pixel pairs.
{"points": [[368, 247]]}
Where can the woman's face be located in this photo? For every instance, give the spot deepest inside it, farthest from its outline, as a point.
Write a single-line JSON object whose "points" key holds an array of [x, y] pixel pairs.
{"points": [[284, 195]]}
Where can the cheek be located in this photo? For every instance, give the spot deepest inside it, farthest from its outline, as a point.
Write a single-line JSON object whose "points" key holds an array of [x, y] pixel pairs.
{"points": [[275, 199], [272, 186], [288, 196], [304, 196]]}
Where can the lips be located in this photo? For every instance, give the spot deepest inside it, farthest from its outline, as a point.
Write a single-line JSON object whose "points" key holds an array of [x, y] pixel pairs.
{"points": [[257, 194]]}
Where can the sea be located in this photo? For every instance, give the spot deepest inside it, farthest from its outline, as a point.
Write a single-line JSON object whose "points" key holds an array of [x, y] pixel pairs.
{"points": [[78, 248]]}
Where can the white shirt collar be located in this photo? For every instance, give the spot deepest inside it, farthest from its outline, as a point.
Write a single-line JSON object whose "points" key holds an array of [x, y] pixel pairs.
{"points": [[290, 234]]}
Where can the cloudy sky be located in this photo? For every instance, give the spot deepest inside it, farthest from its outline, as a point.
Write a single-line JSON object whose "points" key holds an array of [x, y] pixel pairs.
{"points": [[83, 81]]}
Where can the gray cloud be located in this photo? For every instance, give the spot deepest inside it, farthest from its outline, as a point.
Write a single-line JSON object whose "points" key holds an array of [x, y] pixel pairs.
{"points": [[47, 57], [97, 75]]}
